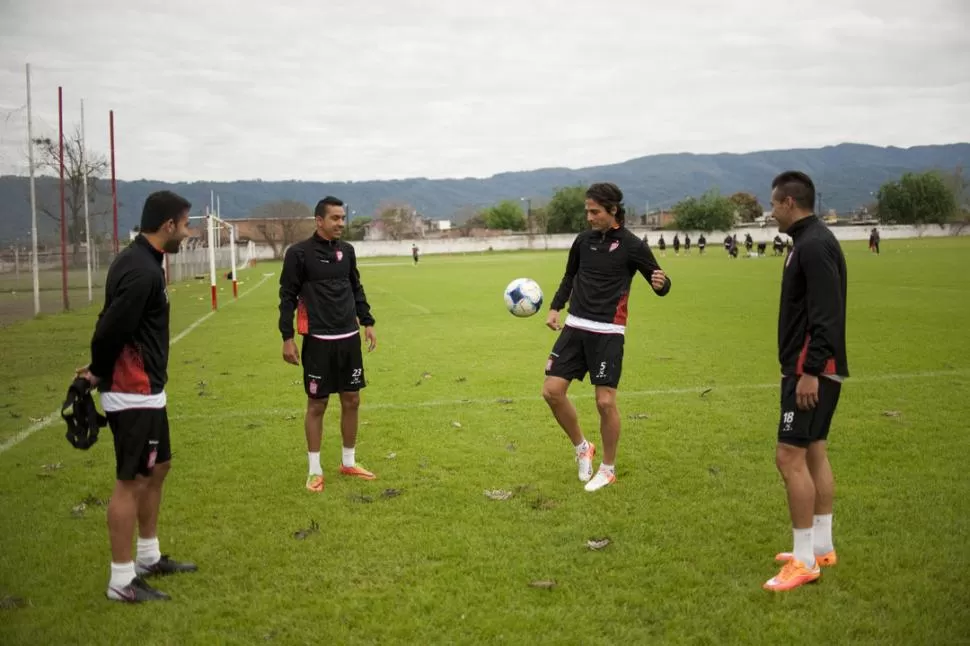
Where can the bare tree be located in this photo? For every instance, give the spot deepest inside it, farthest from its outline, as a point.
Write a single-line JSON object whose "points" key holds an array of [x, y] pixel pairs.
{"points": [[283, 223], [94, 165], [400, 221]]}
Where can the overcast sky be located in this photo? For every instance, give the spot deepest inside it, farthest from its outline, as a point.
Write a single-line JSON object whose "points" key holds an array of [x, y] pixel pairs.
{"points": [[378, 89]]}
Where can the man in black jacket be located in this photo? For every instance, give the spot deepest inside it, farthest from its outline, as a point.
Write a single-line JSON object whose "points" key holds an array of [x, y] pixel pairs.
{"points": [[599, 272], [129, 364], [811, 351], [320, 282]]}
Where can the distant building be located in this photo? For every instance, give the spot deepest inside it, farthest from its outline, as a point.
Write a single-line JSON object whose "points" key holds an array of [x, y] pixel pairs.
{"points": [[659, 219]]}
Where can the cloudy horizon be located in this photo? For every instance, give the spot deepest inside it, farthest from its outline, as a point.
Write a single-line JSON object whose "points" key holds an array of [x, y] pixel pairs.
{"points": [[432, 88]]}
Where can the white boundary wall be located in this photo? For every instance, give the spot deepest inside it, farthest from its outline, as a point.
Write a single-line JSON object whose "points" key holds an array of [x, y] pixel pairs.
{"points": [[519, 242]]}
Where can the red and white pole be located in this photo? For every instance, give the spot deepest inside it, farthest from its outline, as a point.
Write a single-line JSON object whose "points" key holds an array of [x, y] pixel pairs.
{"points": [[232, 255], [210, 224]]}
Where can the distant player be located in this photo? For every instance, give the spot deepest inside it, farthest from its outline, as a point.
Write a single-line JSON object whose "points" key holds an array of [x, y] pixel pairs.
{"points": [[599, 272], [686, 244], [129, 365], [874, 241], [748, 243], [701, 244], [811, 350], [321, 283], [414, 253], [662, 245], [676, 244]]}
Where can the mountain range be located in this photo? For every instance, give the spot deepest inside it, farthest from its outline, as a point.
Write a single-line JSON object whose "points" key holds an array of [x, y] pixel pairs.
{"points": [[846, 175]]}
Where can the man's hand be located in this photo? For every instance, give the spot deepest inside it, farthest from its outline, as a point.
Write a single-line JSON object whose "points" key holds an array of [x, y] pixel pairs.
{"points": [[85, 372], [371, 338], [658, 279], [806, 392], [552, 321], [290, 352]]}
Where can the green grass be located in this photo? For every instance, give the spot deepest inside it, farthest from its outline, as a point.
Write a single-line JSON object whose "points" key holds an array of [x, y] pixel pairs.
{"points": [[695, 518]]}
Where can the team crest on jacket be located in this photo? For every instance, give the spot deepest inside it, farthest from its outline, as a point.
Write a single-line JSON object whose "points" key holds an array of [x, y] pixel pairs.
{"points": [[614, 245], [340, 255]]}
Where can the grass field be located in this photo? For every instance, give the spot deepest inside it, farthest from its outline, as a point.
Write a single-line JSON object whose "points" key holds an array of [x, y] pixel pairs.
{"points": [[695, 517]]}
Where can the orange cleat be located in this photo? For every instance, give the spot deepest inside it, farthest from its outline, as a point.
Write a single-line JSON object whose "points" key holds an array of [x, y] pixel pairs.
{"points": [[357, 471], [793, 574], [314, 483]]}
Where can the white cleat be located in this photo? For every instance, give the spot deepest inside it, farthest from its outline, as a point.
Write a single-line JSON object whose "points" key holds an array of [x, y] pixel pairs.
{"points": [[602, 479]]}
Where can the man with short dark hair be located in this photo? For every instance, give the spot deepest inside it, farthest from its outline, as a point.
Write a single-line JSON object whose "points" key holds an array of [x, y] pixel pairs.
{"points": [[812, 353], [599, 273], [129, 365], [320, 282]]}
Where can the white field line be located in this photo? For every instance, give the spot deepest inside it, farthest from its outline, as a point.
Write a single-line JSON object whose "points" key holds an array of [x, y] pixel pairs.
{"points": [[56, 415], [420, 308], [587, 395], [451, 259]]}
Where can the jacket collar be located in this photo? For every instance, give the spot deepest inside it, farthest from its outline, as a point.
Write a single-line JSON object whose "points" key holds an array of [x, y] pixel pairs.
{"points": [[802, 225], [320, 239], [142, 241]]}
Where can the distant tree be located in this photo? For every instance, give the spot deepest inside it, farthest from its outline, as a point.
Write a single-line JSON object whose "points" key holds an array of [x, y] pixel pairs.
{"points": [[710, 212], [959, 186], [463, 214], [48, 158], [749, 209], [283, 223], [400, 220], [356, 228], [918, 199], [567, 210], [476, 221], [540, 215], [505, 215]]}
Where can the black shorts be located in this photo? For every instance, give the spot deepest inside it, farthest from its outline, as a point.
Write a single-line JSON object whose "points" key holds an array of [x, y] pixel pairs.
{"points": [[577, 352], [141, 440], [332, 366], [802, 427]]}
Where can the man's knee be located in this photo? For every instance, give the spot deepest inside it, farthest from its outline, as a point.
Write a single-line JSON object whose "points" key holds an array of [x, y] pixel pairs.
{"points": [[817, 457], [159, 471], [605, 402], [350, 401], [554, 390], [129, 489], [605, 399], [316, 407], [790, 459]]}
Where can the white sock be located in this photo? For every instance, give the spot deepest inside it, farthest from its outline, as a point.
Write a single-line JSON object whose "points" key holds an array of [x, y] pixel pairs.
{"points": [[148, 552], [582, 446], [315, 468], [121, 574], [823, 534], [349, 456], [607, 468], [803, 546]]}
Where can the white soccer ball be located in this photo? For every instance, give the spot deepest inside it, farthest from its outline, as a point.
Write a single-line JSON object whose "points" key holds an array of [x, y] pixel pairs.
{"points": [[523, 297]]}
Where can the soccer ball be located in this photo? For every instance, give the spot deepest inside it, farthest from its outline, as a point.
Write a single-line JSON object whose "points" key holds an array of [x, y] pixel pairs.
{"points": [[523, 297]]}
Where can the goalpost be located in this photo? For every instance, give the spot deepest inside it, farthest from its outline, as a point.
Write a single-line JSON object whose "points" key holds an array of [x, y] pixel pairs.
{"points": [[207, 255], [216, 226]]}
